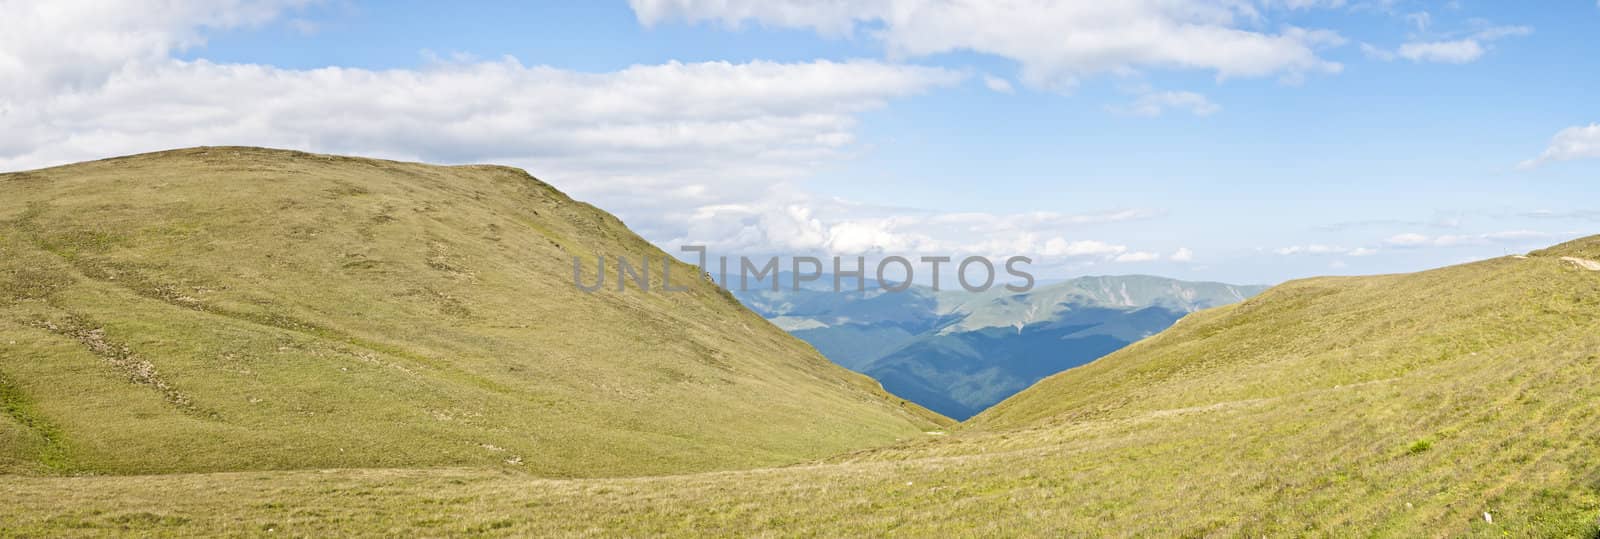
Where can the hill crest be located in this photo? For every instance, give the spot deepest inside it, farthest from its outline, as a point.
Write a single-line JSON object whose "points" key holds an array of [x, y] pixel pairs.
{"points": [[229, 308]]}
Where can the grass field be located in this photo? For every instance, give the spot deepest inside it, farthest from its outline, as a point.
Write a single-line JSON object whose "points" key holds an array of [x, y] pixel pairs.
{"points": [[1463, 401]]}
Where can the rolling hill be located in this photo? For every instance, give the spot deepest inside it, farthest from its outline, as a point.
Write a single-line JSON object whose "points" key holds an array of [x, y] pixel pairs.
{"points": [[1454, 402], [216, 309], [1460, 401], [957, 352]]}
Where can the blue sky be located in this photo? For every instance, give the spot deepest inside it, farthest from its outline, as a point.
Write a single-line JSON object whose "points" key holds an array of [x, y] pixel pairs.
{"points": [[1236, 141]]}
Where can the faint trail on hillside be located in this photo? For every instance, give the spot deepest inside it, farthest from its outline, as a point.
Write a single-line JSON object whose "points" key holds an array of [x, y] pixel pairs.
{"points": [[1583, 263], [137, 369]]}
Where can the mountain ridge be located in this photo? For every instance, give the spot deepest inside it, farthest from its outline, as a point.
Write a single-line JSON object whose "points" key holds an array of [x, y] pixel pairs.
{"points": [[1458, 401], [271, 309]]}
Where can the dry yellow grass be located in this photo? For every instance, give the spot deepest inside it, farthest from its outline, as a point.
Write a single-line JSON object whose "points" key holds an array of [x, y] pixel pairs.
{"points": [[220, 309], [1506, 426], [1389, 406]]}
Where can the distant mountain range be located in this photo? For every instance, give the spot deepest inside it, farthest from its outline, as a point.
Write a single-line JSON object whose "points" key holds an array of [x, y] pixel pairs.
{"points": [[957, 352]]}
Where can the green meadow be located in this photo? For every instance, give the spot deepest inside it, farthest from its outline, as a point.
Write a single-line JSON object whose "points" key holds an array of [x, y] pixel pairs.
{"points": [[256, 342]]}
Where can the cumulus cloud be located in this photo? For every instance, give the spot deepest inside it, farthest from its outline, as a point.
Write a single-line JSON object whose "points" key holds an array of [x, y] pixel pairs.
{"points": [[651, 142], [69, 43], [1057, 43], [705, 152], [647, 141], [1137, 256], [1183, 254], [1580, 142], [644, 128]]}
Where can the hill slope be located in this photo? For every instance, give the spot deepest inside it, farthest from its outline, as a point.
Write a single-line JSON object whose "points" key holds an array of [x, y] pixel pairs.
{"points": [[238, 308], [1330, 331], [1463, 401], [1390, 406]]}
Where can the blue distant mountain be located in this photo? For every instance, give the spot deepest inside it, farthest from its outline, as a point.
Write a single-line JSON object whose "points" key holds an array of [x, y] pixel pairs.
{"points": [[958, 352]]}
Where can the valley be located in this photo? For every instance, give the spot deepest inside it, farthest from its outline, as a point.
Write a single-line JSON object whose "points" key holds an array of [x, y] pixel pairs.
{"points": [[249, 342], [958, 352]]}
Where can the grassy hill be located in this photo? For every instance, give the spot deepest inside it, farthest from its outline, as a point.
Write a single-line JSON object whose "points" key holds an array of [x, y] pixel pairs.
{"points": [[1391, 406], [217, 309], [1329, 332], [1462, 401]]}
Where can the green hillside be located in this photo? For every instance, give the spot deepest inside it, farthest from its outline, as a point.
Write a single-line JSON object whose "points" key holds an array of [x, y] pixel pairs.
{"points": [[1328, 332], [1462, 401], [217, 309], [1389, 406]]}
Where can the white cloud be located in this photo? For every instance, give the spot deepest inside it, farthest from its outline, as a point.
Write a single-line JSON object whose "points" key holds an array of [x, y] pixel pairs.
{"points": [[1152, 104], [1580, 142], [1183, 254], [647, 138], [791, 223], [1057, 43], [1061, 247], [45, 46], [827, 17], [650, 142], [685, 152], [1137, 256], [1460, 50], [765, 112], [998, 84], [1414, 240], [1321, 249], [1408, 239], [1497, 32]]}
